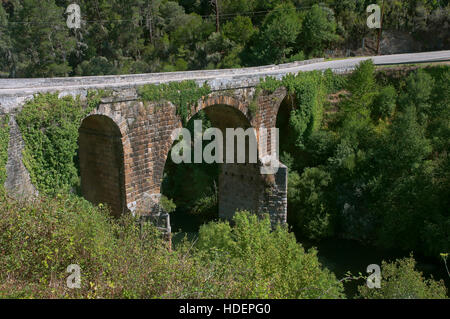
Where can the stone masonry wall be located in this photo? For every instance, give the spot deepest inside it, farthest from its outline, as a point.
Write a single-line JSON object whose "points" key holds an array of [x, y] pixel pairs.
{"points": [[18, 181], [122, 156], [146, 130]]}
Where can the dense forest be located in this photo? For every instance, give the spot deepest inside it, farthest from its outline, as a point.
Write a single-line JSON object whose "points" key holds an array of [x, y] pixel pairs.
{"points": [[367, 155], [140, 36]]}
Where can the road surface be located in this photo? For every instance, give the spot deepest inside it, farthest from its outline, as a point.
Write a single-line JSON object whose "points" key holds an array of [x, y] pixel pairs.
{"points": [[16, 91]]}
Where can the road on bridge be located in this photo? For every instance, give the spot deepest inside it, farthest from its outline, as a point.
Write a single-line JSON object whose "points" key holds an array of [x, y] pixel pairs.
{"points": [[16, 91]]}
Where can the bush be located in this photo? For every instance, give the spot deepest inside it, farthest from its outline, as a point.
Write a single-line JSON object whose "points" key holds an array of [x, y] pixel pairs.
{"points": [[265, 263], [312, 215], [167, 204], [400, 280], [384, 103], [119, 259]]}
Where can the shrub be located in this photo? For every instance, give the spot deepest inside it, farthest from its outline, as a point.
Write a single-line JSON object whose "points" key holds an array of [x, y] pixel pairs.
{"points": [[167, 204], [400, 280], [119, 259], [312, 215]]}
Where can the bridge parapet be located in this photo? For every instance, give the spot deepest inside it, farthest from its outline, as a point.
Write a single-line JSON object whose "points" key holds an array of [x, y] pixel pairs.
{"points": [[15, 92]]}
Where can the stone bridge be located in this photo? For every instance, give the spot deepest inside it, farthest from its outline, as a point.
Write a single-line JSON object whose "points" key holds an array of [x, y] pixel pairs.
{"points": [[124, 143]]}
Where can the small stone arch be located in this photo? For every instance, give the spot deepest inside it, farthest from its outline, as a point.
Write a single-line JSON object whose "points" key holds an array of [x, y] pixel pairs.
{"points": [[235, 180], [102, 162]]}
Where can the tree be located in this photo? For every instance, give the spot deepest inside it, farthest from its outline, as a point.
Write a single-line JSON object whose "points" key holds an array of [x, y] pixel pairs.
{"points": [[400, 280], [278, 34], [45, 42], [239, 30], [313, 216], [319, 29], [384, 103], [5, 45], [419, 87]]}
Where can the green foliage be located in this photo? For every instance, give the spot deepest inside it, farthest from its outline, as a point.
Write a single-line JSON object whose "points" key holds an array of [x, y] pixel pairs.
{"points": [[400, 280], [138, 36], [279, 32], [49, 126], [362, 85], [263, 270], [376, 168], [4, 141], [300, 56], [310, 96], [45, 41], [184, 95], [312, 216], [334, 82], [206, 207], [270, 84], [167, 204], [309, 91], [384, 103], [239, 30], [419, 87], [319, 29], [120, 259]]}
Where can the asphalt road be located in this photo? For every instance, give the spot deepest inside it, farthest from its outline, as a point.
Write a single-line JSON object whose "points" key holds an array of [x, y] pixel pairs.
{"points": [[410, 58], [15, 91]]}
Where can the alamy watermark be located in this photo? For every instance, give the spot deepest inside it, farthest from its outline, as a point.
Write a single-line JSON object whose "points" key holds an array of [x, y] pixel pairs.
{"points": [[74, 16], [374, 280]]}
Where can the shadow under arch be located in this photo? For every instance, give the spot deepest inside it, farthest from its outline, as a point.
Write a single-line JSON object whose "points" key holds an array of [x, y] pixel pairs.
{"points": [[236, 182], [101, 160], [287, 135]]}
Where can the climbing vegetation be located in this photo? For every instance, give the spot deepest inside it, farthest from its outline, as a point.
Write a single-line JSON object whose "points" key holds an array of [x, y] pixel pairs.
{"points": [[49, 126], [184, 95], [308, 90], [4, 141]]}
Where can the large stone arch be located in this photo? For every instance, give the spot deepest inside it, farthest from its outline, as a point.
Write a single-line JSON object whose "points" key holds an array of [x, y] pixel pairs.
{"points": [[234, 108], [144, 129], [102, 162], [239, 186]]}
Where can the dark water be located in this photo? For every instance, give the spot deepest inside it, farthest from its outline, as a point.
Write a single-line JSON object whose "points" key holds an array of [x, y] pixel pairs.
{"points": [[341, 256], [338, 255]]}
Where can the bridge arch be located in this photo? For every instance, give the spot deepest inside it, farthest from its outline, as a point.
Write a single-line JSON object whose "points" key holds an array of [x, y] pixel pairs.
{"points": [[102, 162], [236, 182]]}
